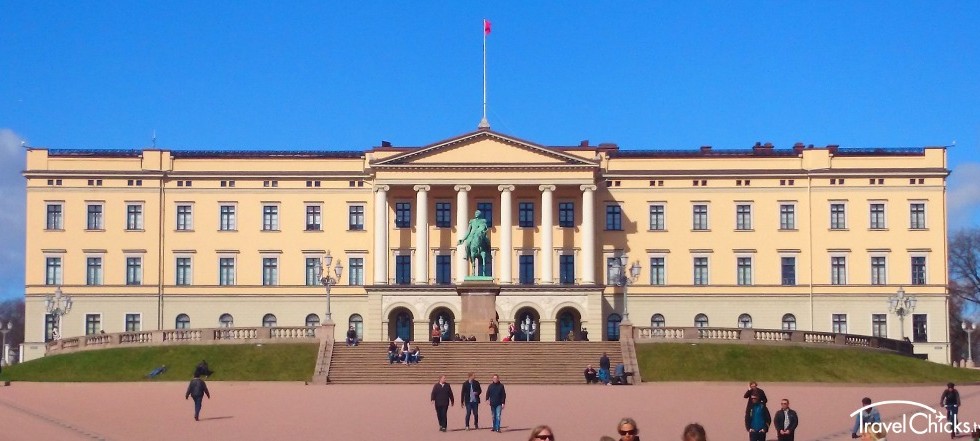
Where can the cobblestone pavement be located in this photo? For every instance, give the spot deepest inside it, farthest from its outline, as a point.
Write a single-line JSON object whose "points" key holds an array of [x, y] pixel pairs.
{"points": [[150, 411]]}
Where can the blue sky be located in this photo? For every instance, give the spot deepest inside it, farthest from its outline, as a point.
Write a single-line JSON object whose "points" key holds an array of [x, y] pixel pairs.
{"points": [[333, 75]]}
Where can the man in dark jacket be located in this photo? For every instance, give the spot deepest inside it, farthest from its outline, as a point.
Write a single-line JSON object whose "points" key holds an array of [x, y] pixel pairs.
{"points": [[470, 397], [754, 389], [442, 398], [951, 401], [786, 422], [197, 389], [757, 419], [496, 396], [604, 368]]}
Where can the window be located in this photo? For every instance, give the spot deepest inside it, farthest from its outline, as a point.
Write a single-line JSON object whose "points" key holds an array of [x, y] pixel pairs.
{"points": [[133, 323], [701, 321], [878, 276], [312, 271], [525, 214], [838, 217], [745, 321], [877, 216], [658, 321], [839, 323], [93, 220], [226, 271], [658, 271], [486, 211], [789, 322], [526, 264], [269, 321], [52, 271], [312, 320], [183, 272], [55, 217], [93, 271], [227, 218], [444, 217], [93, 324], [919, 328], [657, 217], [134, 270], [226, 321], [744, 270], [788, 271], [355, 274], [183, 321], [787, 217], [314, 218], [270, 271], [403, 215], [838, 270], [184, 219], [700, 270], [612, 277], [355, 217], [700, 217], [566, 269], [879, 325], [357, 322], [614, 217], [270, 218], [566, 214], [917, 215], [743, 217], [444, 269], [612, 327], [918, 270], [134, 217], [49, 327], [403, 270]]}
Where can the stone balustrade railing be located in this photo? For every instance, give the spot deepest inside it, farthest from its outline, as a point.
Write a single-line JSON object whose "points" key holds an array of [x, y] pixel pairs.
{"points": [[768, 336], [205, 336]]}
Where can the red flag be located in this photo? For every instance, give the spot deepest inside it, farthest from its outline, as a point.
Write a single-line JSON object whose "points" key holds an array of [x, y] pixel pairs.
{"points": [[486, 27]]}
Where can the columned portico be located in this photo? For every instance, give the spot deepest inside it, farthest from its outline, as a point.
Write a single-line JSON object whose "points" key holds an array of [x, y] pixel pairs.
{"points": [[547, 233], [462, 221], [588, 234], [421, 259], [506, 240], [381, 234]]}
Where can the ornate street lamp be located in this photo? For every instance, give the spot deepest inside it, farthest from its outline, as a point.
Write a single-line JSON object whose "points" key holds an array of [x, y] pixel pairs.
{"points": [[528, 327], [902, 305], [969, 328], [323, 273], [624, 279], [4, 329], [58, 305]]}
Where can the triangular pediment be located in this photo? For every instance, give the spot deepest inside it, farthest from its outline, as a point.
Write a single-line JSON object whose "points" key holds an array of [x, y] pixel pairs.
{"points": [[483, 148]]}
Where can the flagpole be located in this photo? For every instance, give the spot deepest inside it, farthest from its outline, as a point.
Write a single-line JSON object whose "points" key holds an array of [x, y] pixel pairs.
{"points": [[484, 124]]}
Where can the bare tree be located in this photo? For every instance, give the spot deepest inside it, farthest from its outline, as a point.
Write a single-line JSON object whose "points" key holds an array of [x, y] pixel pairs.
{"points": [[964, 264]]}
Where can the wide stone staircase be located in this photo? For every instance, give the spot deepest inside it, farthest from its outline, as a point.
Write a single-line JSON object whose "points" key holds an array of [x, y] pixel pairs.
{"points": [[515, 362]]}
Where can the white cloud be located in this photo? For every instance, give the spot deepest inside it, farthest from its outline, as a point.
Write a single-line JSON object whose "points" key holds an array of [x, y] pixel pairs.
{"points": [[964, 196], [12, 199]]}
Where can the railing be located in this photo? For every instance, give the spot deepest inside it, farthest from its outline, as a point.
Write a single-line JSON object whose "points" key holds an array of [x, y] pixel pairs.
{"points": [[207, 336], [767, 336]]}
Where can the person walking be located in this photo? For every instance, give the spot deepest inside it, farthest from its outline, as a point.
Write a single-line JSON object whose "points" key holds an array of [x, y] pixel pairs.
{"points": [[604, 369], [627, 430], [442, 399], [757, 419], [951, 401], [436, 334], [786, 422], [496, 397], [470, 397], [197, 389]]}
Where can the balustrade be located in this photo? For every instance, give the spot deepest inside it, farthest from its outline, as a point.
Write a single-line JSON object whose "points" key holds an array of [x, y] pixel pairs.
{"points": [[767, 336]]}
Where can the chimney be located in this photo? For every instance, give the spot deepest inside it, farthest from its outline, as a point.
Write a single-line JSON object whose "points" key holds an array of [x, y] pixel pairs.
{"points": [[833, 148], [798, 148], [608, 145], [385, 143], [584, 144], [706, 149]]}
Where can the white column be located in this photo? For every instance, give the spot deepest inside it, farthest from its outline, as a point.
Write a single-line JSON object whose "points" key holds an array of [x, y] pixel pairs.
{"points": [[462, 223], [421, 261], [506, 229], [381, 234], [547, 233], [588, 234]]}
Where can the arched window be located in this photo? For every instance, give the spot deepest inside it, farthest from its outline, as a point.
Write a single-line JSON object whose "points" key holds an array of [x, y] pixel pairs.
{"points": [[744, 321], [701, 321], [312, 320], [269, 320], [657, 321], [789, 322], [226, 321], [358, 323], [183, 321], [612, 327]]}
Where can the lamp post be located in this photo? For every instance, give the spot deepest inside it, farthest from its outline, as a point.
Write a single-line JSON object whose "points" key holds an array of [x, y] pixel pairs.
{"points": [[528, 327], [902, 305], [4, 329], [323, 271], [969, 328], [621, 278], [58, 305]]}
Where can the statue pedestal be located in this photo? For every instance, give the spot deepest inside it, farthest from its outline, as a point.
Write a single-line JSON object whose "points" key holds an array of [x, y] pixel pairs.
{"points": [[479, 305]]}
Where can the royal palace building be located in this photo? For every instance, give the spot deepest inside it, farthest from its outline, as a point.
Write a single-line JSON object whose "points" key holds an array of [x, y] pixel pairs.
{"points": [[810, 238]]}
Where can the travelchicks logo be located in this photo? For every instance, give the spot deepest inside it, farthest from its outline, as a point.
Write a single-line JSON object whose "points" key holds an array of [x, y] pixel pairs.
{"points": [[924, 421]]}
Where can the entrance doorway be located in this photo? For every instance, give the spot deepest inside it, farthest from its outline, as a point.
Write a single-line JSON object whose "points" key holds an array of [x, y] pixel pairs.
{"points": [[401, 324]]}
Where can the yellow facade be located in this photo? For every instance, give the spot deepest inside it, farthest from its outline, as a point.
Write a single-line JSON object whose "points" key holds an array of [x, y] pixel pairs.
{"points": [[235, 232]]}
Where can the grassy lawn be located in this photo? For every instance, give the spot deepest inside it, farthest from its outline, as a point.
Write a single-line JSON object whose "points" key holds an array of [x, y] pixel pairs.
{"points": [[279, 362], [718, 362]]}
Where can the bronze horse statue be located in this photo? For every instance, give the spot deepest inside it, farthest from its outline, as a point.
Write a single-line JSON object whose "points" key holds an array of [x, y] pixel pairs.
{"points": [[477, 244]]}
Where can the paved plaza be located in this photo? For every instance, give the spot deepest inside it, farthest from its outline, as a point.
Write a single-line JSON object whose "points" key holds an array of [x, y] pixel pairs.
{"points": [[150, 411]]}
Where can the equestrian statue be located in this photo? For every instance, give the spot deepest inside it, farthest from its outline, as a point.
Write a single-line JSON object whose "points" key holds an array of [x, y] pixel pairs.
{"points": [[477, 245]]}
